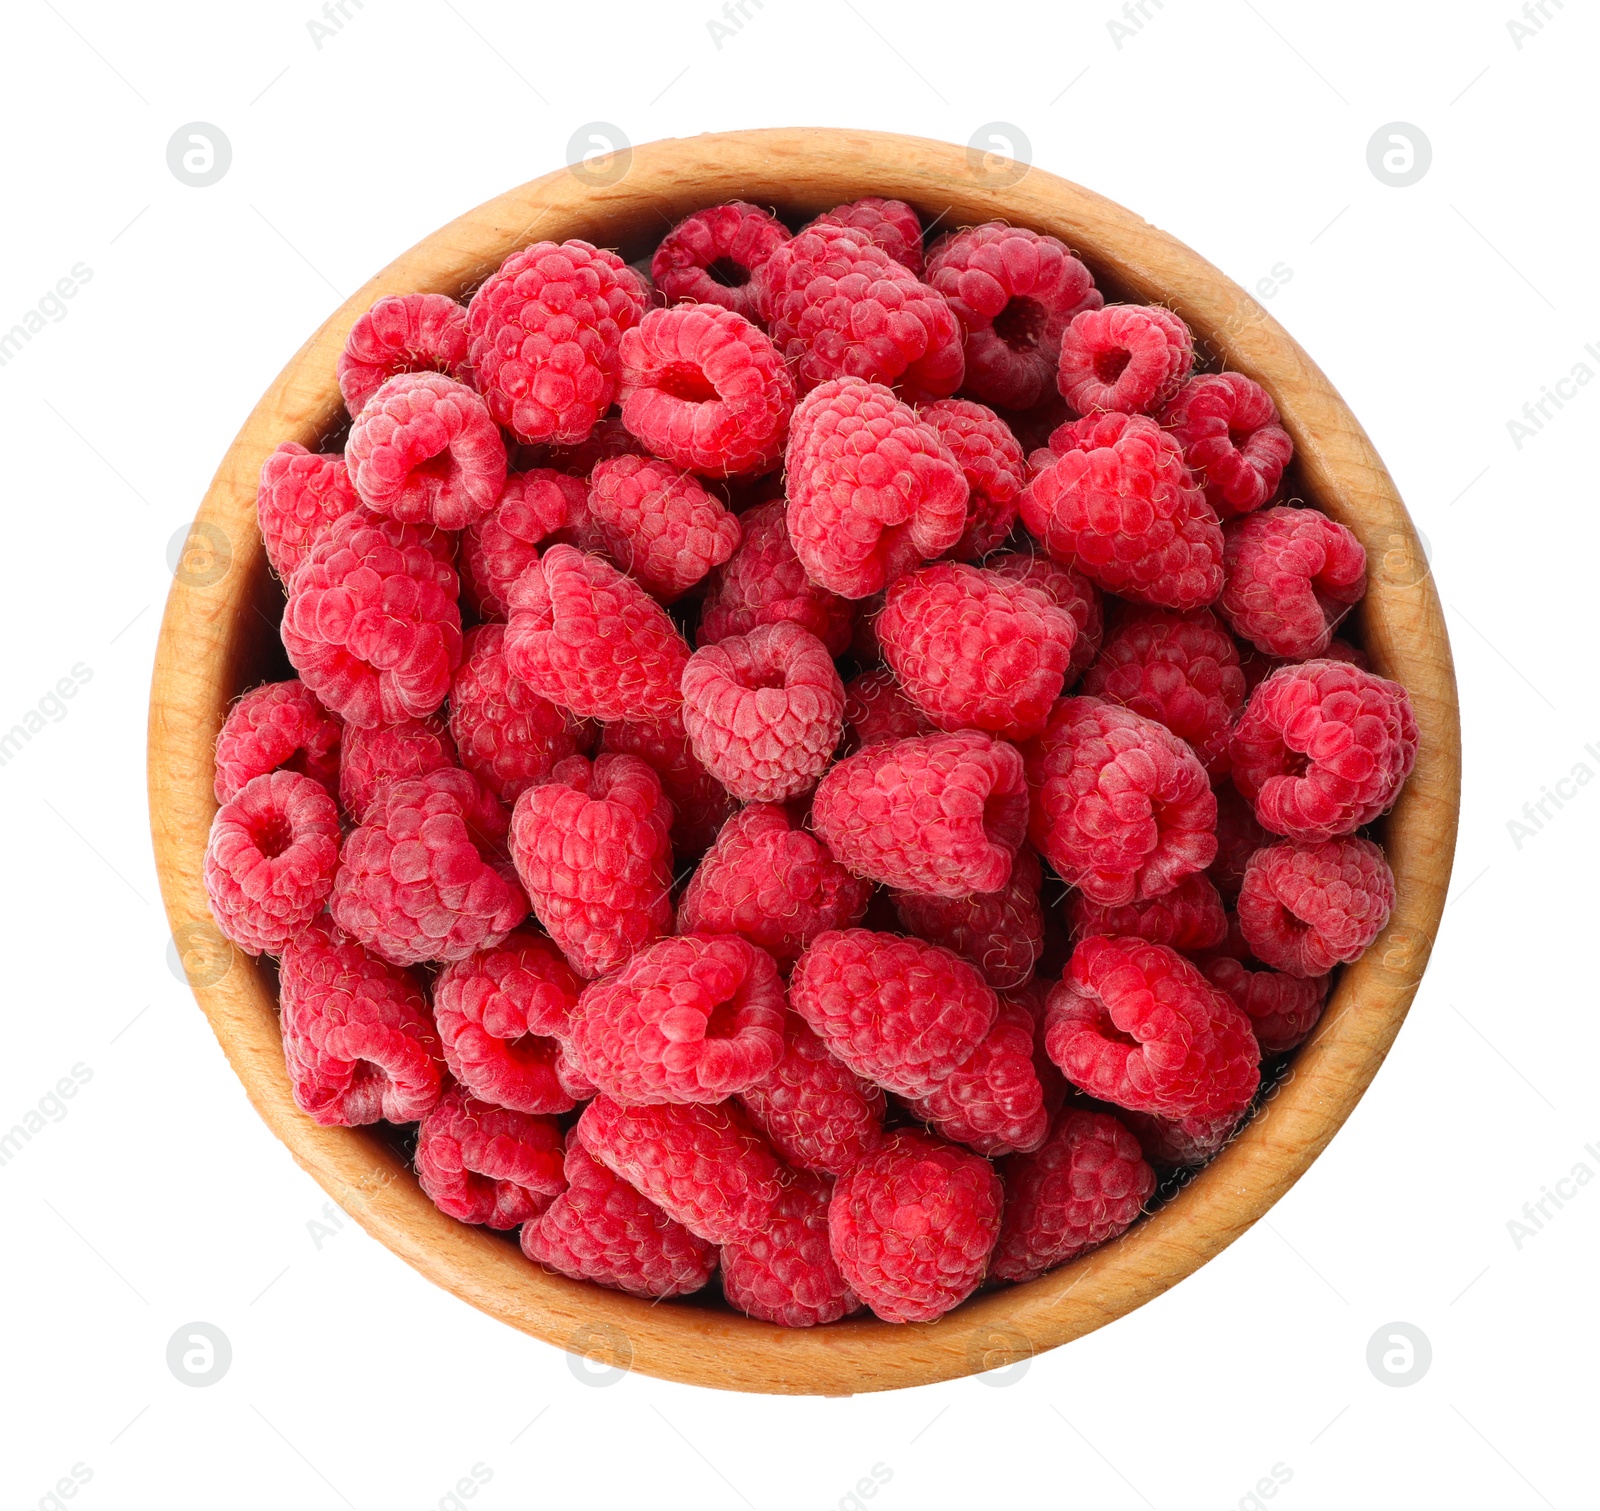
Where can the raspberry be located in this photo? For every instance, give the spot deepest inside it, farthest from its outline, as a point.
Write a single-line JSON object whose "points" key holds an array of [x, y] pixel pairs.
{"points": [[1032, 998], [497, 549], [1291, 576], [888, 223], [992, 1101], [546, 334], [709, 257], [601, 1229], [1136, 1024], [1129, 358], [816, 1111], [591, 639], [690, 1019], [1189, 917], [786, 1274], [1181, 1143], [591, 847], [991, 461], [421, 878], [704, 388], [772, 883], [1239, 836], [838, 305], [764, 711], [1118, 504], [372, 758], [876, 710], [372, 623], [1229, 431], [403, 333], [1305, 908], [700, 803], [279, 725], [1084, 1187], [271, 858], [484, 1164], [912, 1226], [1282, 1009], [1002, 933], [1257, 667], [300, 495], [872, 489], [425, 450], [357, 1036], [977, 650], [1071, 590], [703, 1166], [609, 438], [1182, 670], [764, 583], [499, 1012], [1014, 293], [941, 814], [900, 1012], [1323, 748], [659, 524]]}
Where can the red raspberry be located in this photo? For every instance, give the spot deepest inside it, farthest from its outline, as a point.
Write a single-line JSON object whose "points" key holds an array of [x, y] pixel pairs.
{"points": [[816, 1111], [1032, 997], [772, 883], [764, 711], [700, 803], [609, 438], [1305, 908], [497, 549], [499, 1012], [659, 524], [1282, 1009], [888, 223], [912, 1226], [546, 335], [1323, 748], [1291, 576], [977, 650], [872, 489], [1130, 358], [1182, 670], [422, 878], [1121, 806], [1071, 590], [1189, 917], [591, 639], [786, 1274], [1257, 667], [1119, 505], [941, 814], [991, 461], [357, 1036], [424, 450], [372, 758], [703, 1166], [838, 305], [1014, 293], [591, 846], [690, 1019], [992, 1101], [601, 1229], [876, 710], [403, 333], [1239, 836], [763, 583], [271, 858], [1083, 1188], [372, 624], [301, 494], [1229, 431], [279, 725], [484, 1164], [1136, 1024], [704, 388], [1002, 933], [900, 1012], [709, 257]]}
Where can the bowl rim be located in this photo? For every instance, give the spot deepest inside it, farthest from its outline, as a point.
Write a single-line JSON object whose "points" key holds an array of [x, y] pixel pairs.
{"points": [[204, 658]]}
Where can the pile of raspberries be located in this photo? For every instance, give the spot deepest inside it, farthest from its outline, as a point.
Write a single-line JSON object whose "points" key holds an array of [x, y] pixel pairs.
{"points": [[814, 758]]}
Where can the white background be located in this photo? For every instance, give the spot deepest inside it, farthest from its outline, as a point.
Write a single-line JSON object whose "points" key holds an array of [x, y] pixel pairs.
{"points": [[1239, 125]]}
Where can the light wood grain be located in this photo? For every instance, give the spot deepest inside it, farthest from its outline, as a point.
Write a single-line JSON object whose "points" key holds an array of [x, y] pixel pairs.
{"points": [[216, 638]]}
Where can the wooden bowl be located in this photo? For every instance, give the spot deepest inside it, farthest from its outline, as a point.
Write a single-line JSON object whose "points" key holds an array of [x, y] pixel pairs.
{"points": [[218, 638]]}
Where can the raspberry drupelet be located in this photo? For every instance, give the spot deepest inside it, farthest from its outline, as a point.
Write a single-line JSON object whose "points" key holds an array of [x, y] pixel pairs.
{"points": [[300, 495], [402, 333], [1229, 431], [497, 549], [486, 1164], [277, 726], [1127, 358], [709, 257], [1290, 576]]}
